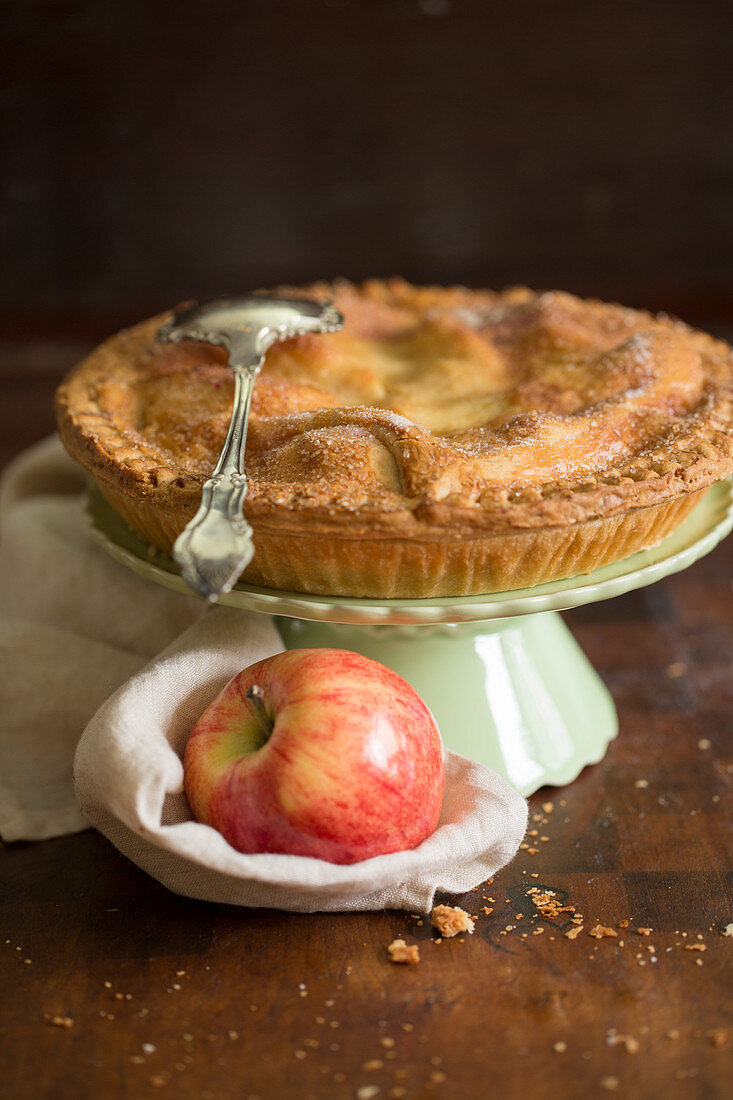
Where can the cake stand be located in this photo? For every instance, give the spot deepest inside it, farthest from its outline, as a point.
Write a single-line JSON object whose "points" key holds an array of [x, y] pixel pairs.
{"points": [[507, 682]]}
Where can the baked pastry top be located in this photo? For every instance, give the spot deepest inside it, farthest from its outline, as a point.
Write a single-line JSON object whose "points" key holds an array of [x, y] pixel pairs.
{"points": [[437, 414]]}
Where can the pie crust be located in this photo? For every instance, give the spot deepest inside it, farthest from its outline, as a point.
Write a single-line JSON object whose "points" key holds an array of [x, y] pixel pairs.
{"points": [[446, 442]]}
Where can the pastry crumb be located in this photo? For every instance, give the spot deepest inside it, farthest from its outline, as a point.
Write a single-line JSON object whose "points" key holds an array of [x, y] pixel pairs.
{"points": [[401, 952], [574, 932], [546, 902], [61, 1021], [644, 931], [600, 932], [451, 919], [609, 1083], [613, 1039]]}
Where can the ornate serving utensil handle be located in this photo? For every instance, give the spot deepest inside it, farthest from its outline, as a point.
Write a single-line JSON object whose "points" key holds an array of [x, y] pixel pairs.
{"points": [[216, 545]]}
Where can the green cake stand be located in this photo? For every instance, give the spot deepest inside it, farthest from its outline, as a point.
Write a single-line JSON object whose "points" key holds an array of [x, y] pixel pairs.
{"points": [[508, 684]]}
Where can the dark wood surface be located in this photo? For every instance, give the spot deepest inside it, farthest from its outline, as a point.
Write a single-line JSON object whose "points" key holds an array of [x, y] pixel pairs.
{"points": [[172, 997]]}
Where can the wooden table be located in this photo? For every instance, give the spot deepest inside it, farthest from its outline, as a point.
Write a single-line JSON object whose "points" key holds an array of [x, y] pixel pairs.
{"points": [[164, 996]]}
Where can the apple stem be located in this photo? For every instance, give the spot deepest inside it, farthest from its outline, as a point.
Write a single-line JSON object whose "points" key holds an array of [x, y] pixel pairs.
{"points": [[256, 696]]}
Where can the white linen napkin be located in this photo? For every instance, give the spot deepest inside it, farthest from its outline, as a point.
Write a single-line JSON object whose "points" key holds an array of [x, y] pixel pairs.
{"points": [[84, 641]]}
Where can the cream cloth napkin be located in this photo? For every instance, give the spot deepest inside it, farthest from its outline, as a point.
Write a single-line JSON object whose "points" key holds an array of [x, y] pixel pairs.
{"points": [[86, 642]]}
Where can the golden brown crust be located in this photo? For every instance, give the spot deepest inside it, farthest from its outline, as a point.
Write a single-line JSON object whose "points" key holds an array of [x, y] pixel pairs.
{"points": [[364, 564], [452, 439]]}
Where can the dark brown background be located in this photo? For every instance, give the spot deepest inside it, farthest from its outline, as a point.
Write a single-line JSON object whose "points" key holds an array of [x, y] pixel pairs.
{"points": [[158, 151]]}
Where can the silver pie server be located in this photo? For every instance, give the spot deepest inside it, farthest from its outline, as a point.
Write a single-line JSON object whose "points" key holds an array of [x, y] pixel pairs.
{"points": [[216, 545]]}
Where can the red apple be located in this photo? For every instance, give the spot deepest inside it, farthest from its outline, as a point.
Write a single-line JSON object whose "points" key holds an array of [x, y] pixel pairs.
{"points": [[317, 752]]}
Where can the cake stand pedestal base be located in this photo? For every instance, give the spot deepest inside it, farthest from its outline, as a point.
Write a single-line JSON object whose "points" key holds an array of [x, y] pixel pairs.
{"points": [[516, 694]]}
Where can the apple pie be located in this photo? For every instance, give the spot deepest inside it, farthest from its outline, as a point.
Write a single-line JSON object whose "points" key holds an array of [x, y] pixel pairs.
{"points": [[446, 442]]}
